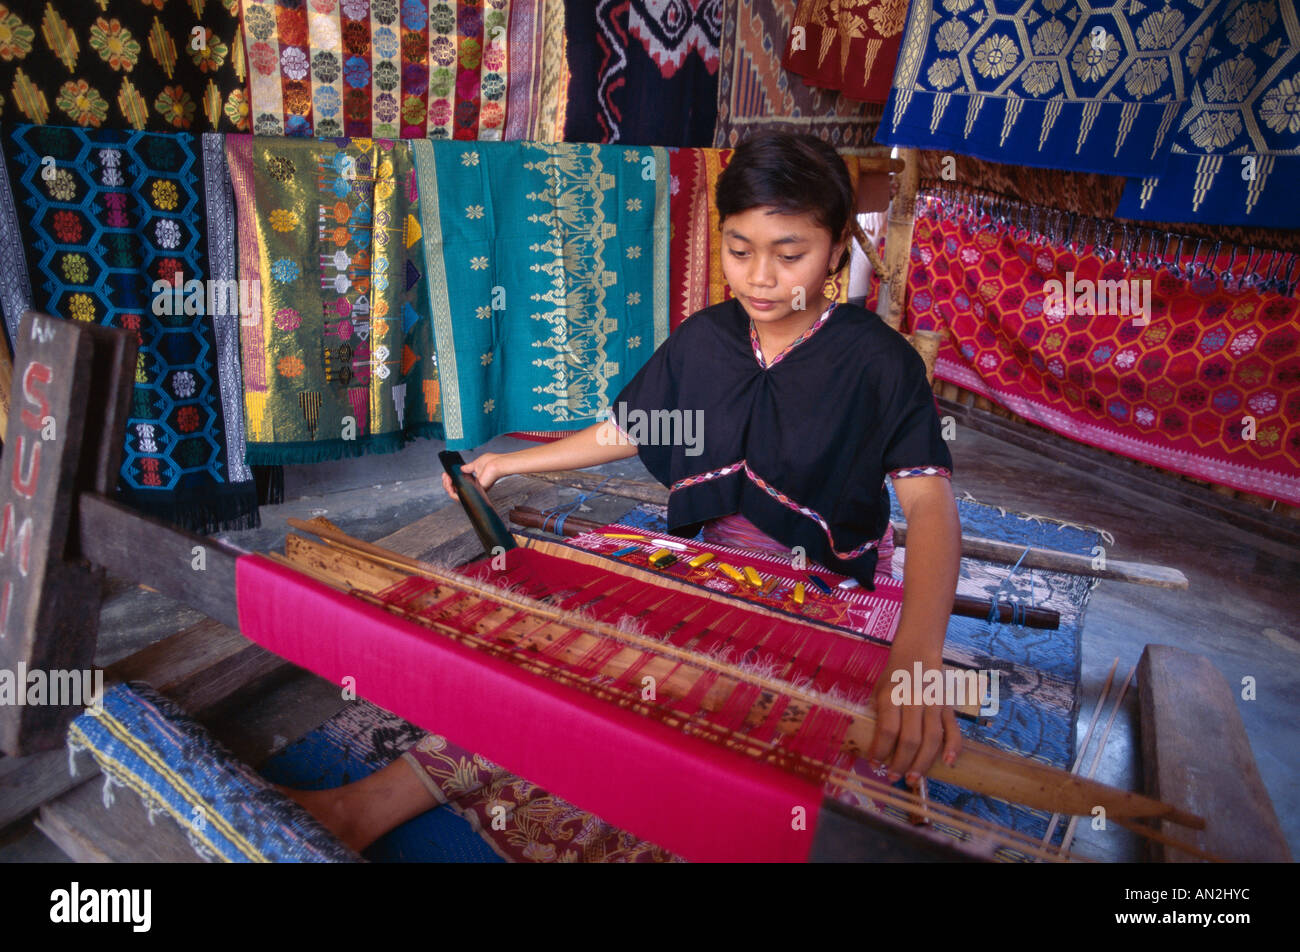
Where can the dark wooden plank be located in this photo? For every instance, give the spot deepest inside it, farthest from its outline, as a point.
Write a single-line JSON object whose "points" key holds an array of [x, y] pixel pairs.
{"points": [[1127, 477], [27, 782], [79, 824], [1196, 755], [48, 607], [193, 569], [844, 835], [641, 491]]}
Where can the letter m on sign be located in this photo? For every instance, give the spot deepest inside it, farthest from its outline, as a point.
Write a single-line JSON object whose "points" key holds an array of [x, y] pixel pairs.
{"points": [[49, 600]]}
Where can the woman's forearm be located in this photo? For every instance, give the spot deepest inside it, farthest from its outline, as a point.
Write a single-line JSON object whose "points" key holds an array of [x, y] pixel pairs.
{"points": [[598, 443], [929, 574]]}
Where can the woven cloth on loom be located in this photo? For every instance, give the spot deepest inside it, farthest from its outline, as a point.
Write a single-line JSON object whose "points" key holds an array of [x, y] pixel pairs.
{"points": [[339, 359], [123, 64], [695, 272], [641, 72], [548, 271], [118, 215], [412, 68], [1236, 153], [755, 91], [847, 45], [1039, 668], [1181, 393], [874, 614], [1037, 711], [678, 790], [1039, 84], [145, 743]]}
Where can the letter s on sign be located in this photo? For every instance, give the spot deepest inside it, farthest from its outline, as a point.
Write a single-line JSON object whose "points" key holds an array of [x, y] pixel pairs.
{"points": [[35, 377]]}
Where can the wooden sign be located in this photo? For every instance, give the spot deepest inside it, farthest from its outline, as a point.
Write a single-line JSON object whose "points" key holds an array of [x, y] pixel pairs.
{"points": [[65, 432]]}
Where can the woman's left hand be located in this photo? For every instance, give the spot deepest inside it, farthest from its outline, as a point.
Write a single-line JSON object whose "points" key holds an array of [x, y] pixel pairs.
{"points": [[909, 736]]}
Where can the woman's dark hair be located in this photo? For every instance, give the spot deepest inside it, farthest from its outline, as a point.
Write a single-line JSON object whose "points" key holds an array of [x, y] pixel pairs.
{"points": [[795, 174]]}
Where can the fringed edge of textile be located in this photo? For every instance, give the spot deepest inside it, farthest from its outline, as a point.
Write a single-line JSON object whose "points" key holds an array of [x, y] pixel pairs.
{"points": [[226, 508], [324, 451]]}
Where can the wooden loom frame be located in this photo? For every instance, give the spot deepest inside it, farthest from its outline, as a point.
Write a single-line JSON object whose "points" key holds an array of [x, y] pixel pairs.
{"points": [[62, 533]]}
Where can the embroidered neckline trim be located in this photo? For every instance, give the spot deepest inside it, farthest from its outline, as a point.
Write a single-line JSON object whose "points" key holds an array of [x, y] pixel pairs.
{"points": [[758, 351]]}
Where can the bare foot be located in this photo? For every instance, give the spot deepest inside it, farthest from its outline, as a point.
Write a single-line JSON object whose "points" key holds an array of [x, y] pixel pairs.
{"points": [[361, 812]]}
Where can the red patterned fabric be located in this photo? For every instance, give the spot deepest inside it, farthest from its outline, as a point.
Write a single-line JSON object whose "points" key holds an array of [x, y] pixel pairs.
{"points": [[701, 801], [692, 235], [848, 45], [1181, 392]]}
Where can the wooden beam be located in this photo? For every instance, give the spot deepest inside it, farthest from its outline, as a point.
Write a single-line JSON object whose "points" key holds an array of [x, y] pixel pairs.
{"points": [[1195, 752], [1008, 553], [652, 493], [194, 569], [198, 668]]}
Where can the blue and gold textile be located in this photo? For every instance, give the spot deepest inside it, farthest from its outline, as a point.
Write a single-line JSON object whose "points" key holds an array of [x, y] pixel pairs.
{"points": [[1048, 83], [1236, 152]]}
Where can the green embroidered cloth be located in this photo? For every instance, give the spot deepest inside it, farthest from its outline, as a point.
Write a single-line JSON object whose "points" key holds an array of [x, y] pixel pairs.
{"points": [[340, 360], [548, 270]]}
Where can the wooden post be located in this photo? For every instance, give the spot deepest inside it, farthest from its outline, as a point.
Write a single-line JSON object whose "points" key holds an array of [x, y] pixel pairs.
{"points": [[6, 381], [926, 343], [65, 428], [1195, 752], [898, 238]]}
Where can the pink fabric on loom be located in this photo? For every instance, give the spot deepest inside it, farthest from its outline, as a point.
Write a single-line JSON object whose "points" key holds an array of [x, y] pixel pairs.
{"points": [[696, 799]]}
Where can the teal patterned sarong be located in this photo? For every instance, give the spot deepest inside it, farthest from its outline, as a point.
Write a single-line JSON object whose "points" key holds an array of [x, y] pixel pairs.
{"points": [[548, 270]]}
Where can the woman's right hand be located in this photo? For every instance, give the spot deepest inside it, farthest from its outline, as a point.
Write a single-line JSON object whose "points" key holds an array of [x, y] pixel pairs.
{"points": [[487, 469]]}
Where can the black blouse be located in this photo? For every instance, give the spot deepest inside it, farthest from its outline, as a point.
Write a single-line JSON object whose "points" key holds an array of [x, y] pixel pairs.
{"points": [[801, 446]]}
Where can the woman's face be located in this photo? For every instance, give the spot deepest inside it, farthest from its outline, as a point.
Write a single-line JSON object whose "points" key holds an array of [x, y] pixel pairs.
{"points": [[776, 263]]}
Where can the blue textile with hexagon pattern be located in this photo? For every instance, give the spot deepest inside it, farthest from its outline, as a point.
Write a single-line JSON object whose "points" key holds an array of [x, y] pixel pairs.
{"points": [[127, 229]]}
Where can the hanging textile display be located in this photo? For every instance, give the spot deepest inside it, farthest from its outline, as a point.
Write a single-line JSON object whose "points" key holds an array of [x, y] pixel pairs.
{"points": [[132, 230], [1088, 194], [1039, 84], [847, 45], [538, 71], [696, 278], [1236, 150], [338, 358], [166, 65], [1185, 361], [548, 275], [380, 67], [756, 92], [642, 73]]}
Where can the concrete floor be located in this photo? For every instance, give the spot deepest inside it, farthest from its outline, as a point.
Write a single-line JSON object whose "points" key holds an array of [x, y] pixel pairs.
{"points": [[1240, 610]]}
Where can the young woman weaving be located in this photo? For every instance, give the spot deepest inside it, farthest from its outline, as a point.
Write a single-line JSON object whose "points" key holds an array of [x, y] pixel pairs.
{"points": [[806, 407]]}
